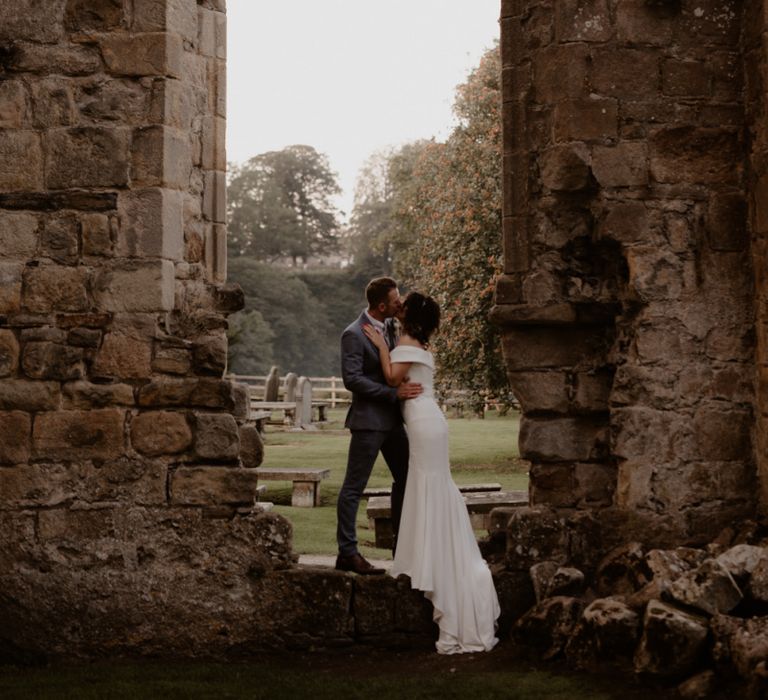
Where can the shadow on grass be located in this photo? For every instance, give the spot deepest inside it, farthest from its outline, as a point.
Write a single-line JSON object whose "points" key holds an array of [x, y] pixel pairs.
{"points": [[371, 675]]}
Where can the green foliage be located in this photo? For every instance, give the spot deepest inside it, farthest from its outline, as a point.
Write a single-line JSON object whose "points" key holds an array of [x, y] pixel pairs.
{"points": [[280, 205], [292, 318], [302, 337], [433, 211], [250, 343]]}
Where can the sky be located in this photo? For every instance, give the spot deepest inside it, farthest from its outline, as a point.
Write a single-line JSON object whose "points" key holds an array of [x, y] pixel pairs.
{"points": [[348, 77]]}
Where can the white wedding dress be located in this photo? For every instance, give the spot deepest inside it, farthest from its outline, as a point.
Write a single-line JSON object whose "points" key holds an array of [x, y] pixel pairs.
{"points": [[437, 546]]}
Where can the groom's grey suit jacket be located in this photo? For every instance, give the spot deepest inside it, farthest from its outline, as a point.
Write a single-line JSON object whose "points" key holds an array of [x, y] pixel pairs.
{"points": [[374, 403]]}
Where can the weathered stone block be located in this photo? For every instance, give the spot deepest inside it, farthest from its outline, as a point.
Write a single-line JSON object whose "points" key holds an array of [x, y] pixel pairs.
{"points": [[686, 154], [171, 361], [722, 434], [558, 72], [68, 59], [565, 168], [84, 394], [86, 157], [215, 197], [161, 157], [15, 434], [216, 436], [135, 287], [23, 395], [10, 286], [100, 15], [13, 104], [535, 347], [84, 337], [672, 642], [177, 16], [152, 224], [9, 353], [727, 222], [199, 486], [32, 20], [126, 351], [55, 288], [52, 103], [742, 559], [18, 234], [210, 355], [639, 23], [60, 238], [623, 165], [545, 629], [608, 630], [591, 119], [535, 534], [153, 53], [540, 391], [155, 433], [214, 154], [686, 78], [580, 20], [202, 393], [21, 161], [124, 101], [709, 588], [562, 439], [94, 434], [251, 446], [44, 360], [625, 73]]}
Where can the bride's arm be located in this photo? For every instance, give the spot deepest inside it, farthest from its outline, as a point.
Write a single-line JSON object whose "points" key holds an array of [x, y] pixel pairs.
{"points": [[394, 372]]}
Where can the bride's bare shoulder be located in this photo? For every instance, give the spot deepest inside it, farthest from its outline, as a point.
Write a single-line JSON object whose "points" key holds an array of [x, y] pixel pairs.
{"points": [[409, 341]]}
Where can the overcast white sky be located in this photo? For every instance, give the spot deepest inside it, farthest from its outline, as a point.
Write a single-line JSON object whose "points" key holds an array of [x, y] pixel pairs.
{"points": [[348, 77]]}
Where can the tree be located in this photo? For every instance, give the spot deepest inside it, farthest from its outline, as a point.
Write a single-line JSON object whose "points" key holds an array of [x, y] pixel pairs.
{"points": [[439, 209], [455, 210], [381, 242], [280, 206], [303, 339]]}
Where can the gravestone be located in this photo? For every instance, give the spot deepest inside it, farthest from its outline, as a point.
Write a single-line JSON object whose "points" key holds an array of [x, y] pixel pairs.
{"points": [[304, 406], [272, 384], [289, 393]]}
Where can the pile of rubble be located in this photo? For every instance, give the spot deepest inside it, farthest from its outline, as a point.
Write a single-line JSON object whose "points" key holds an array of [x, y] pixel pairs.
{"points": [[697, 617]]}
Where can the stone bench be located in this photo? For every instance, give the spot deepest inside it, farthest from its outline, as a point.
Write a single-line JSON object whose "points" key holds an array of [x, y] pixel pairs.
{"points": [[479, 505], [464, 488], [306, 483], [288, 409]]}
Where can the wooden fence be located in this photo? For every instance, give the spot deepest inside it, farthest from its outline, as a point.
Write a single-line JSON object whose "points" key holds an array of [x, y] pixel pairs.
{"points": [[329, 389]]}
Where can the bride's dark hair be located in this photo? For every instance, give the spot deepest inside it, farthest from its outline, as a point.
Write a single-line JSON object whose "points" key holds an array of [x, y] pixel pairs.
{"points": [[421, 316]]}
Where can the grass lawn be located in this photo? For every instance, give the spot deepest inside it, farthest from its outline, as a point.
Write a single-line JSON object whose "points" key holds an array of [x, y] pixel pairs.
{"points": [[482, 450], [366, 675]]}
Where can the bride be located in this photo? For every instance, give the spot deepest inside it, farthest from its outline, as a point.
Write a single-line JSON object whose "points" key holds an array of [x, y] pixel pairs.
{"points": [[437, 546]]}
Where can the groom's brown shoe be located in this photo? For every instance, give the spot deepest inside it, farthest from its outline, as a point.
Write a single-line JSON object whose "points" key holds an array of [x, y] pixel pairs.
{"points": [[357, 564]]}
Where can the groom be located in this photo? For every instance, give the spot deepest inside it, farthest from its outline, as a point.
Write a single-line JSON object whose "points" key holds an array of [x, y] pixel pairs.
{"points": [[374, 420]]}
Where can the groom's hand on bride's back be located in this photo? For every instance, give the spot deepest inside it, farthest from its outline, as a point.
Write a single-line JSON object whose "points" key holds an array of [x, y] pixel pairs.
{"points": [[409, 390]]}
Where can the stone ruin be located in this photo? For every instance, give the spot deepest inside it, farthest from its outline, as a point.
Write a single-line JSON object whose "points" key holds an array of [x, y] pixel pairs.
{"points": [[632, 310]]}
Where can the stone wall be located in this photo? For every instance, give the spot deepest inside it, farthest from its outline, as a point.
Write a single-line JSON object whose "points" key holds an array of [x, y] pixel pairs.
{"points": [[126, 493], [628, 302]]}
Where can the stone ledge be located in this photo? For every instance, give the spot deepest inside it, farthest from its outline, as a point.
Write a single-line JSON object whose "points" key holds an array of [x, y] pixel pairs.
{"points": [[565, 313]]}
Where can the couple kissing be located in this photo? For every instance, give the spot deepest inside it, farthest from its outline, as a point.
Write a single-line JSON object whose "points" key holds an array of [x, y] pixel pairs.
{"points": [[394, 412]]}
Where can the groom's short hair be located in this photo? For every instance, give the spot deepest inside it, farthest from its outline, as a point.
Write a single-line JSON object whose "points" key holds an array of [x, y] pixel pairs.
{"points": [[377, 291]]}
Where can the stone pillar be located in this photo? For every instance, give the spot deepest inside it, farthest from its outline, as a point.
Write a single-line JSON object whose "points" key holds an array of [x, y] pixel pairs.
{"points": [[756, 63], [121, 482], [626, 303]]}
